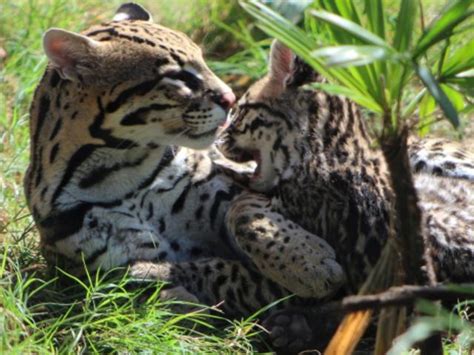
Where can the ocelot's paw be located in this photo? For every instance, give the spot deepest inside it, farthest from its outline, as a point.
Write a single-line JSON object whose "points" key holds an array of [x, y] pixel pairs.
{"points": [[283, 251], [147, 270], [294, 330], [289, 333], [183, 301]]}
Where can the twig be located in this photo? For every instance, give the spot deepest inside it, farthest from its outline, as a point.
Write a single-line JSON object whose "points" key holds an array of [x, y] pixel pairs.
{"points": [[397, 296]]}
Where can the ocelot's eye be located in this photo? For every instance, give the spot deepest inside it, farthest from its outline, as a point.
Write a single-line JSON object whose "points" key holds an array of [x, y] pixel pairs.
{"points": [[193, 76], [192, 81], [191, 70], [188, 78]]}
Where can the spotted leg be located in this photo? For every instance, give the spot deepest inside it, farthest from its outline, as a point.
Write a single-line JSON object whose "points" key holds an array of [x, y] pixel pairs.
{"points": [[282, 251], [240, 288]]}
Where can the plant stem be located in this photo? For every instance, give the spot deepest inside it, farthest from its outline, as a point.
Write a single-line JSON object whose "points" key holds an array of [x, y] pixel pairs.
{"points": [[416, 262], [409, 217]]}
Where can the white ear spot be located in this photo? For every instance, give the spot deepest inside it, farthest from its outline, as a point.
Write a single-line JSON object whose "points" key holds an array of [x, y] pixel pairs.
{"points": [[132, 11], [121, 17]]}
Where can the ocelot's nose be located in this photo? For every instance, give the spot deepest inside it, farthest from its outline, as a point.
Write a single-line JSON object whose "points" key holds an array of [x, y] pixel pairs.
{"points": [[226, 99]]}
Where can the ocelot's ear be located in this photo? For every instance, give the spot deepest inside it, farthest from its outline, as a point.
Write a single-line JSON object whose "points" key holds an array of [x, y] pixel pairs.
{"points": [[71, 54], [132, 11], [288, 70], [280, 67]]}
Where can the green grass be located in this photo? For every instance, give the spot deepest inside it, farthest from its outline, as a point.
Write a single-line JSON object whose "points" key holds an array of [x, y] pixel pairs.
{"points": [[98, 316], [38, 314]]}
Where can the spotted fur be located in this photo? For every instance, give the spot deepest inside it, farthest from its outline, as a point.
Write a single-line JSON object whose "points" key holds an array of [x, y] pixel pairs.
{"points": [[441, 157], [314, 157], [119, 175]]}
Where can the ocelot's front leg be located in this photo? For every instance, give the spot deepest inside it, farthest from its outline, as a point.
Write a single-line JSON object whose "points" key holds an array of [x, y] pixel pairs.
{"points": [[240, 288], [283, 251]]}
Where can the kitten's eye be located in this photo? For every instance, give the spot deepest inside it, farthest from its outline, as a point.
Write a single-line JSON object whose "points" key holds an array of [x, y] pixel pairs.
{"points": [[238, 115]]}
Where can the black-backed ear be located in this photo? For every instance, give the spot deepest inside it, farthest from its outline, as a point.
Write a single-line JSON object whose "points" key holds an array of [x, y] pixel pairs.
{"points": [[132, 11], [302, 73], [69, 52]]}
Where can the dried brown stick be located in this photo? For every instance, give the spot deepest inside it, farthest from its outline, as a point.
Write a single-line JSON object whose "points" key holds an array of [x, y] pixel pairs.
{"points": [[398, 296]]}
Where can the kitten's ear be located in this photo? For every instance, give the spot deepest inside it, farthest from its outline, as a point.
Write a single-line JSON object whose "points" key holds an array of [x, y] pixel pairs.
{"points": [[69, 52], [132, 11], [288, 70], [281, 62]]}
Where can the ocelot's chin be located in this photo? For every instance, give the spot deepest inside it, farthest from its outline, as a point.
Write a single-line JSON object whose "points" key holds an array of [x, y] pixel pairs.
{"points": [[198, 140]]}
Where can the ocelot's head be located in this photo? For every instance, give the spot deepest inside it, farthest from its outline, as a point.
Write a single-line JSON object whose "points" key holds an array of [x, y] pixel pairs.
{"points": [[131, 81], [270, 121]]}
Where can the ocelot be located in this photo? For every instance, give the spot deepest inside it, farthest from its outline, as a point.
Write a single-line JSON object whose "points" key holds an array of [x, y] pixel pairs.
{"points": [[120, 176]]}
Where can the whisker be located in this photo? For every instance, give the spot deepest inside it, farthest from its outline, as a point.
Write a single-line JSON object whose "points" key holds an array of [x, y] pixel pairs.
{"points": [[184, 131]]}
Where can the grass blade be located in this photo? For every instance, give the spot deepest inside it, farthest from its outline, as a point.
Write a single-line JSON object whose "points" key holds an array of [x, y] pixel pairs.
{"points": [[376, 23], [346, 31], [454, 96], [350, 27], [405, 25], [465, 83], [343, 8], [375, 13], [438, 94], [444, 25], [461, 60], [401, 42], [411, 106], [425, 113], [350, 55], [292, 10], [363, 100]]}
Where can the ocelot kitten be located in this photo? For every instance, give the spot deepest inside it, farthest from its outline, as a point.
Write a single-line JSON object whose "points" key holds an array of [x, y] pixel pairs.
{"points": [[118, 177], [316, 165]]}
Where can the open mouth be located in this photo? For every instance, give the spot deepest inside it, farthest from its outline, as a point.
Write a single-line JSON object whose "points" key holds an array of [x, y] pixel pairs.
{"points": [[244, 156], [226, 122], [258, 169]]}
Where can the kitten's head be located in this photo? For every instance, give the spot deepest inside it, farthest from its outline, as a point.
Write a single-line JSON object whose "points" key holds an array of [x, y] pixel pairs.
{"points": [[271, 117]]}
